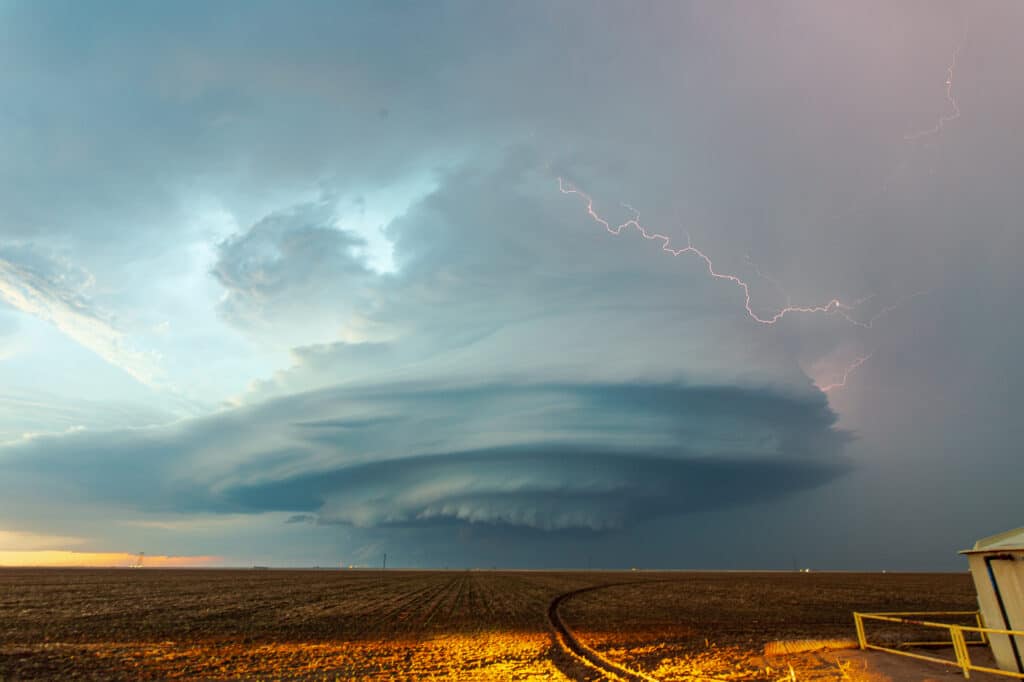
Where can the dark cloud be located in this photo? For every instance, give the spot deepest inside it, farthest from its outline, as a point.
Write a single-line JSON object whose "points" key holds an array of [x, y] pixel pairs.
{"points": [[545, 487], [549, 457]]}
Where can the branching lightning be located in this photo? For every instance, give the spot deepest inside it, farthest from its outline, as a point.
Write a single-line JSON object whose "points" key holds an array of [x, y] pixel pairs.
{"points": [[844, 311], [870, 322], [846, 374], [832, 306]]}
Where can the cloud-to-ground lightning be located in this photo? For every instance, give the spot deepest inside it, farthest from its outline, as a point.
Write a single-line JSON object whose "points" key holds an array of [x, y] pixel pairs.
{"points": [[832, 306], [846, 374]]}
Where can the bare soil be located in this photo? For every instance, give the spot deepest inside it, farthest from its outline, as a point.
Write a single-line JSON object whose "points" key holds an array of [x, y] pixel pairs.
{"points": [[278, 624], [714, 626]]}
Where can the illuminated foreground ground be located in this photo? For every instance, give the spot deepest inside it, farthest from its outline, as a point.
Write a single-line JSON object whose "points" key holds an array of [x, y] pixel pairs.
{"points": [[229, 624]]}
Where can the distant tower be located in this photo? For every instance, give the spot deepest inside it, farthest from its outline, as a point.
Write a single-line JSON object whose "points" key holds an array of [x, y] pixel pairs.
{"points": [[137, 562]]}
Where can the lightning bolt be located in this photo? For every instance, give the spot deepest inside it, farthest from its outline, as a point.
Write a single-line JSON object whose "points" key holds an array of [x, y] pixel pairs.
{"points": [[845, 310], [870, 322], [846, 374], [832, 306], [950, 99]]}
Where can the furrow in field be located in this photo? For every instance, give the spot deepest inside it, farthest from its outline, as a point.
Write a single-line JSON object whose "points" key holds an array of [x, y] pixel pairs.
{"points": [[442, 601], [402, 613]]}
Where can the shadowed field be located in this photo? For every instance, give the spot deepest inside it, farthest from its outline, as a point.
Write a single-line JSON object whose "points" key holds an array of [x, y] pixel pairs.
{"points": [[280, 624]]}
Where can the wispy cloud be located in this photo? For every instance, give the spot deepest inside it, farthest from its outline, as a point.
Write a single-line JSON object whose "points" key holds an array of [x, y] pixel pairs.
{"points": [[27, 412], [20, 541], [54, 290]]}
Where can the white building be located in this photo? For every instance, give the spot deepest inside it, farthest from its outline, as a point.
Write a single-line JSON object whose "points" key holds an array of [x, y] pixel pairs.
{"points": [[997, 566]]}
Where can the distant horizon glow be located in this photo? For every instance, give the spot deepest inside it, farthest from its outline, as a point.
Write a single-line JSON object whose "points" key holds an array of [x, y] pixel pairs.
{"points": [[53, 558]]}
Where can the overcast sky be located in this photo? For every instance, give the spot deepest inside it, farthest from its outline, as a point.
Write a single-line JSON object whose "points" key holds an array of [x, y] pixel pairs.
{"points": [[304, 283]]}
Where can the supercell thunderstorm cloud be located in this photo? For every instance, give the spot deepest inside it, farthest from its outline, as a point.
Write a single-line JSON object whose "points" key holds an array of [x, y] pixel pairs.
{"points": [[303, 285], [556, 456]]}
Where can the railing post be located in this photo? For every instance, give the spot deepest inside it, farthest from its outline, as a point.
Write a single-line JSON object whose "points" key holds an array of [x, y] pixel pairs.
{"points": [[981, 624], [861, 638], [963, 659]]}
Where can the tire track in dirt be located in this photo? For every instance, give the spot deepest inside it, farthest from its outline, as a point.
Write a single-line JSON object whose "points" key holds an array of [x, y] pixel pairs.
{"points": [[570, 644]]}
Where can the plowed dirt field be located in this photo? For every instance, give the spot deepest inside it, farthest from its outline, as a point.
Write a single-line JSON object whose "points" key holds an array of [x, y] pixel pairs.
{"points": [[486, 625]]}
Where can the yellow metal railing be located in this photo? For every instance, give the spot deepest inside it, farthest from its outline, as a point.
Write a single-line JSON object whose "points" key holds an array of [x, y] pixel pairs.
{"points": [[956, 638]]}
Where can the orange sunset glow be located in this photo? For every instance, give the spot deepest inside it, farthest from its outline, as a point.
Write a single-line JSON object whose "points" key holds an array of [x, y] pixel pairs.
{"points": [[64, 558]]}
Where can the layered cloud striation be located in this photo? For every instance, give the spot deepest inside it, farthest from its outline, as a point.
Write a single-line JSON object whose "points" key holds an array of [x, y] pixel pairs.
{"points": [[541, 456]]}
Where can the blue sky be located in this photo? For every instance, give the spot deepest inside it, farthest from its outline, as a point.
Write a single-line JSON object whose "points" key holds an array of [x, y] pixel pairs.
{"points": [[296, 285]]}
